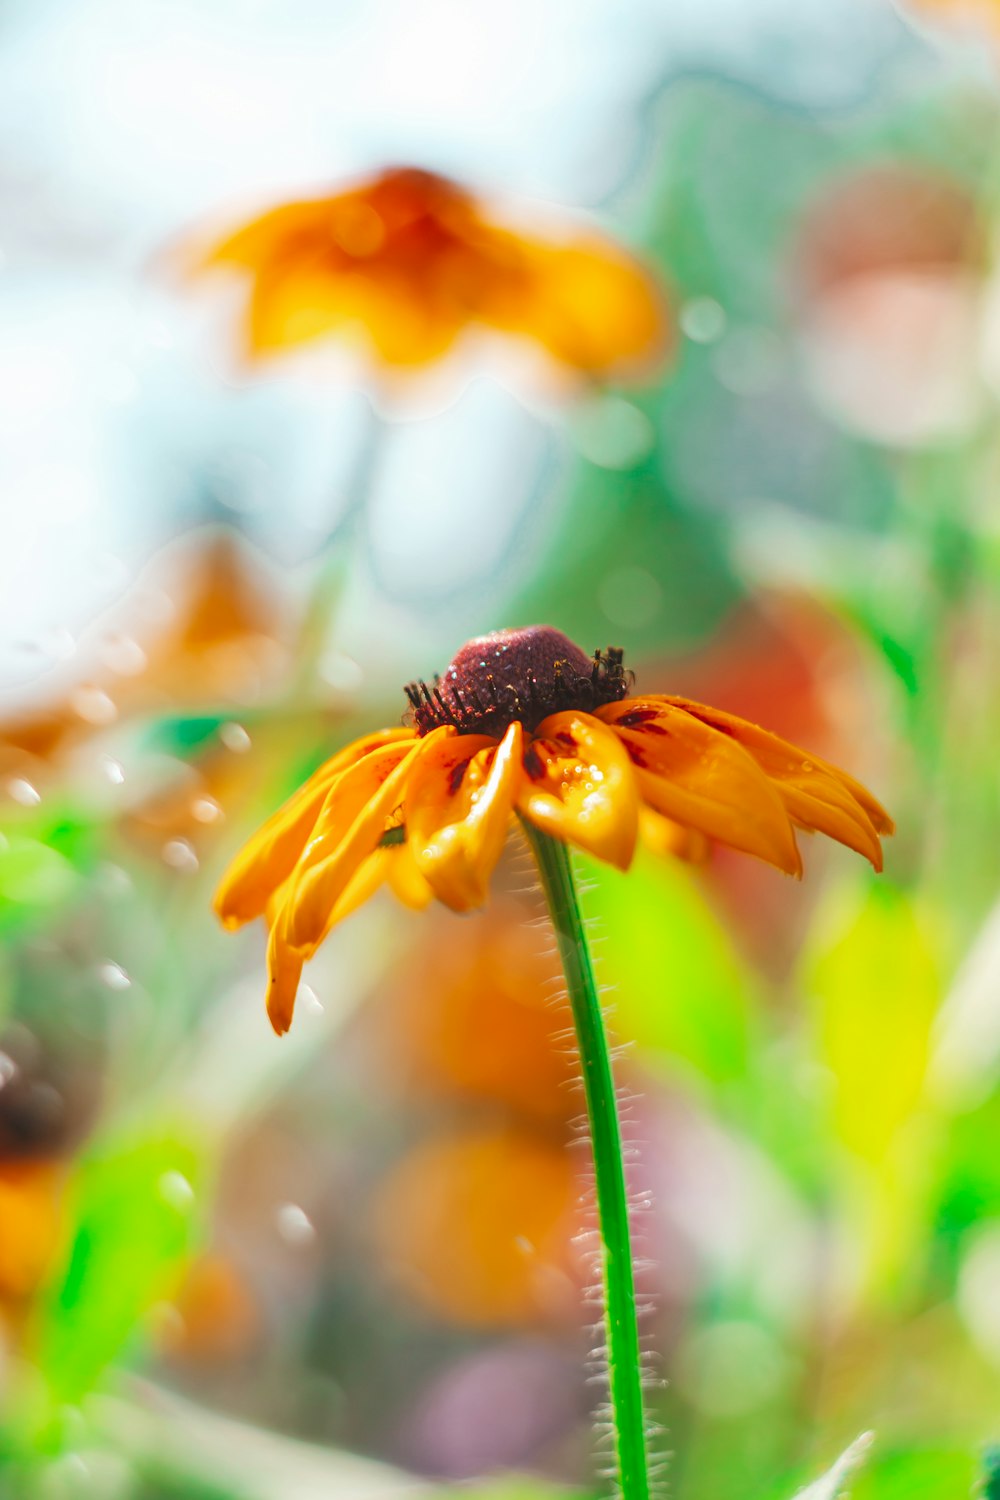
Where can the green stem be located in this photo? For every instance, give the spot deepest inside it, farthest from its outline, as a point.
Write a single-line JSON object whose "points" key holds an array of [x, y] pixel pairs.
{"points": [[621, 1330]]}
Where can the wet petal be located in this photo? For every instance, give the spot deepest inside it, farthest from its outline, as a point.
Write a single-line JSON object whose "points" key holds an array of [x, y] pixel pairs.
{"points": [[579, 786], [348, 829], [458, 810], [703, 779], [818, 796], [268, 858]]}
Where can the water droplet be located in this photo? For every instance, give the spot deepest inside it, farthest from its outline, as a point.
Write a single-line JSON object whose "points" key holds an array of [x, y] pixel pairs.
{"points": [[206, 810], [180, 855], [341, 672], [234, 737], [58, 644], [294, 1225], [22, 791], [113, 880], [113, 975], [176, 1191], [703, 320], [309, 1000], [113, 769], [93, 704], [8, 1069], [122, 654]]}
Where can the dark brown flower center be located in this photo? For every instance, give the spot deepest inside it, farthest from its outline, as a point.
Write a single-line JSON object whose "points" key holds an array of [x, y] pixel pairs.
{"points": [[516, 674]]}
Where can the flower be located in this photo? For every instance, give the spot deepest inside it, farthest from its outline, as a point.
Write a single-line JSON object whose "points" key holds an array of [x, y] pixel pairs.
{"points": [[407, 261], [524, 721]]}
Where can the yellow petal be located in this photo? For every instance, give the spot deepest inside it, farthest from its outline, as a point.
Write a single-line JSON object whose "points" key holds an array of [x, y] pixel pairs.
{"points": [[590, 305], [284, 971], [458, 810], [348, 829], [664, 836], [271, 236], [579, 786], [703, 779], [405, 880], [819, 796], [268, 858]]}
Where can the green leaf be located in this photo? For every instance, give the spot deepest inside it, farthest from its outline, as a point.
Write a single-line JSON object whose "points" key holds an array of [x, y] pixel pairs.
{"points": [[134, 1226], [991, 1474], [32, 874], [678, 986]]}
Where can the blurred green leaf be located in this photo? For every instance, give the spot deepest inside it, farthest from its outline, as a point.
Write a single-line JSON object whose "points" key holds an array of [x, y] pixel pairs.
{"points": [[133, 1227], [876, 985], [32, 874], [678, 986], [915, 1473]]}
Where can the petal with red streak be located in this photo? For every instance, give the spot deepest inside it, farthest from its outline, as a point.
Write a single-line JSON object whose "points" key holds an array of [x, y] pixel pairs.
{"points": [[458, 809], [579, 786]]}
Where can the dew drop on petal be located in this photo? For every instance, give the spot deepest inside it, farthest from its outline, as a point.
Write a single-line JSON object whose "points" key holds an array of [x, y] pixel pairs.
{"points": [[294, 1225]]}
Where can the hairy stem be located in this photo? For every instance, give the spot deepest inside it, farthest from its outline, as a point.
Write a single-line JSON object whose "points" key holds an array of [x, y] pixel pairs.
{"points": [[621, 1330]]}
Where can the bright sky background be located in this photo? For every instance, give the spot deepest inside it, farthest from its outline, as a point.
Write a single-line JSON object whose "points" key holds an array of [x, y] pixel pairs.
{"points": [[124, 121]]}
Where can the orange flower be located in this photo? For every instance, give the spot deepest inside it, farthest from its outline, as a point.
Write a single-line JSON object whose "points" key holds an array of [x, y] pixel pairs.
{"points": [[407, 261], [524, 721]]}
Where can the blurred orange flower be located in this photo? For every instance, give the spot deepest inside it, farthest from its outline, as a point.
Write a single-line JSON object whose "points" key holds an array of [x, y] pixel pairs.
{"points": [[217, 1317], [477, 1020], [489, 1216], [407, 261], [31, 1219], [213, 637], [523, 721]]}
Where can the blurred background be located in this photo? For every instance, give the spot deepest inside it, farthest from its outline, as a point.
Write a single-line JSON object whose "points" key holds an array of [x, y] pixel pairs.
{"points": [[353, 1262]]}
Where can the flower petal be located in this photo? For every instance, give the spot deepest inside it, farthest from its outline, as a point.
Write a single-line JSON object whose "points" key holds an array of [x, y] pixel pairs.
{"points": [[458, 809], [268, 858], [818, 796], [664, 836], [284, 961], [405, 880], [703, 779], [284, 971], [347, 830], [270, 237], [579, 786], [590, 305]]}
